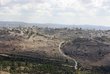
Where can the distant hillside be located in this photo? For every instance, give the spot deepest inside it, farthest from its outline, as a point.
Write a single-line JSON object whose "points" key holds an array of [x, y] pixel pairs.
{"points": [[11, 24], [16, 24]]}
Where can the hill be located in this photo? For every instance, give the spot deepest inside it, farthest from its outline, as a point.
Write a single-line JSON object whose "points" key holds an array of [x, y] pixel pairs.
{"points": [[49, 25], [89, 52]]}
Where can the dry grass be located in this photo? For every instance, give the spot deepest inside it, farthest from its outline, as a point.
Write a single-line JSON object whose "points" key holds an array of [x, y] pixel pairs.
{"points": [[3, 72]]}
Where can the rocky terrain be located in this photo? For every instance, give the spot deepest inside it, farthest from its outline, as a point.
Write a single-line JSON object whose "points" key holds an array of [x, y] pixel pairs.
{"points": [[88, 52], [91, 48], [28, 41]]}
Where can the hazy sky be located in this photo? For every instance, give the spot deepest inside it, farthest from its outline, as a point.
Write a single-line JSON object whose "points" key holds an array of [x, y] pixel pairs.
{"points": [[56, 11]]}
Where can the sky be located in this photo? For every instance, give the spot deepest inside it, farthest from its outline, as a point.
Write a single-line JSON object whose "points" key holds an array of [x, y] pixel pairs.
{"points": [[96, 12]]}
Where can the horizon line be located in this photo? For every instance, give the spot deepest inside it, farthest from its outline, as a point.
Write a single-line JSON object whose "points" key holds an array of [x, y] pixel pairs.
{"points": [[55, 23]]}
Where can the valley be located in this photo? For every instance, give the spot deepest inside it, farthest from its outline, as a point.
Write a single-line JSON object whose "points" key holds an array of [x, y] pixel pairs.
{"points": [[72, 49]]}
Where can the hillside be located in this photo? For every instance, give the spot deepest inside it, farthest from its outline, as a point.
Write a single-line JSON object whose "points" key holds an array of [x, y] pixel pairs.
{"points": [[89, 52], [89, 47]]}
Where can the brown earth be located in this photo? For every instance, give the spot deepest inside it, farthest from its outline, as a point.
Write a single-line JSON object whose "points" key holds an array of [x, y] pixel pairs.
{"points": [[88, 52], [3, 72]]}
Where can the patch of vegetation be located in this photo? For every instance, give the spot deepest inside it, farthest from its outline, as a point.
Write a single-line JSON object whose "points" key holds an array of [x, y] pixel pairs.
{"points": [[30, 66]]}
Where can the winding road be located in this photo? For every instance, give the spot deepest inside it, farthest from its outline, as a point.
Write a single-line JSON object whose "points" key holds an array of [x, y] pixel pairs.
{"points": [[68, 57]]}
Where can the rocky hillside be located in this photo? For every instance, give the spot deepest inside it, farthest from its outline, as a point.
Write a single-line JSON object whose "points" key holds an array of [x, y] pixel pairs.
{"points": [[88, 47], [29, 42], [89, 52]]}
